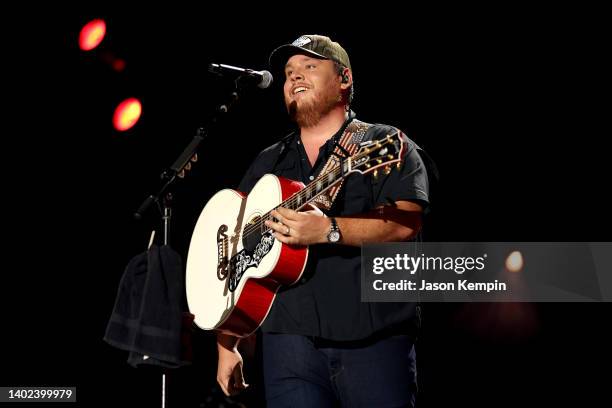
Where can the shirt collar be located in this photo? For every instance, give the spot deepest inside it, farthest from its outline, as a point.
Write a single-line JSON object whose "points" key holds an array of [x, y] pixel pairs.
{"points": [[295, 136]]}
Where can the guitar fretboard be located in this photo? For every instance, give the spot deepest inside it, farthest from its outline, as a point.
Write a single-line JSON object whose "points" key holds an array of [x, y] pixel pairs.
{"points": [[318, 186]]}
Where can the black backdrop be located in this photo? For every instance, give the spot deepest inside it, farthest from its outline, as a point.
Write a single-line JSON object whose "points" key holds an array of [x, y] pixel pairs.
{"points": [[506, 101]]}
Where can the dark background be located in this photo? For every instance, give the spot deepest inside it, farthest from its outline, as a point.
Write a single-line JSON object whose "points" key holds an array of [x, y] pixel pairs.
{"points": [[506, 102]]}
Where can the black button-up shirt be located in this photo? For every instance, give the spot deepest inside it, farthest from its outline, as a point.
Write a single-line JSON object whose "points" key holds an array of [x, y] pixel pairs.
{"points": [[326, 302]]}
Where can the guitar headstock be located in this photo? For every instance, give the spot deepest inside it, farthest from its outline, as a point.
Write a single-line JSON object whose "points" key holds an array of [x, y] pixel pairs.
{"points": [[377, 154]]}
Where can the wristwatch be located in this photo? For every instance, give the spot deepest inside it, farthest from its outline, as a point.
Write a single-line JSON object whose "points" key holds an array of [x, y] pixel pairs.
{"points": [[334, 235]]}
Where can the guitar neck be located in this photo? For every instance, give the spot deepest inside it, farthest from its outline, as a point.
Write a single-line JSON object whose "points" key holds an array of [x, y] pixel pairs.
{"points": [[314, 189], [317, 187], [371, 156]]}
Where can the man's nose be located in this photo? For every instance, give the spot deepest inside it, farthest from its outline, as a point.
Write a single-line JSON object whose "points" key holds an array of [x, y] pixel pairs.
{"points": [[296, 75]]}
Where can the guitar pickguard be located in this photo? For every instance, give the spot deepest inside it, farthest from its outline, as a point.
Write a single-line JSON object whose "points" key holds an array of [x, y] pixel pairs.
{"points": [[244, 259]]}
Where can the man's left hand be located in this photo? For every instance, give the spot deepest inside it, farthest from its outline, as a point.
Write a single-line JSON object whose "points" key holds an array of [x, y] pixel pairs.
{"points": [[300, 228]]}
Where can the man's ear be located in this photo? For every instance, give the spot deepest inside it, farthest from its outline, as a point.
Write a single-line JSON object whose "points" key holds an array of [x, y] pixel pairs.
{"points": [[347, 78]]}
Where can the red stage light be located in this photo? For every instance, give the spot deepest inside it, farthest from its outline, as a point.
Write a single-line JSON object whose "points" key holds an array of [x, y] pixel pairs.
{"points": [[127, 114], [92, 34]]}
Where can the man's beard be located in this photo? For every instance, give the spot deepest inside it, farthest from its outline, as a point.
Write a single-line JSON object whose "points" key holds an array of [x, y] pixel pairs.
{"points": [[310, 111]]}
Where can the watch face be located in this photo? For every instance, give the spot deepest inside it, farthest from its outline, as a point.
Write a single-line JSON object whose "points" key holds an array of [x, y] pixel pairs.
{"points": [[334, 236]]}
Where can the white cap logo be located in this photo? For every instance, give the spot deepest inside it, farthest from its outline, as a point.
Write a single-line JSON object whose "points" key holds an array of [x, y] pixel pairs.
{"points": [[300, 42]]}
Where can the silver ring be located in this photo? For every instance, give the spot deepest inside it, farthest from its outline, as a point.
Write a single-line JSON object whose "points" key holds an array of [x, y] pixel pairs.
{"points": [[288, 230]]}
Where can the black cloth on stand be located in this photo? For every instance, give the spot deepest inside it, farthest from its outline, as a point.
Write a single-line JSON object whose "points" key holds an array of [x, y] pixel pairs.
{"points": [[148, 318]]}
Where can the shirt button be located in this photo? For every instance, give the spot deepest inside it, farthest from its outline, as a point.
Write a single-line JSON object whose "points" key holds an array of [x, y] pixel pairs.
{"points": [[311, 177]]}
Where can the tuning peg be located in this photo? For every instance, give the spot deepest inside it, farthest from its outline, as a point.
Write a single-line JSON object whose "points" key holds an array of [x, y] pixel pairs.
{"points": [[387, 169], [379, 161], [390, 156], [181, 174], [188, 166], [194, 158], [398, 165], [375, 174], [368, 165]]}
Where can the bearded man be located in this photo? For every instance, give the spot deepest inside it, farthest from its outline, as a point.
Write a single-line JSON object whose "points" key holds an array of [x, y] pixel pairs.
{"points": [[321, 346]]}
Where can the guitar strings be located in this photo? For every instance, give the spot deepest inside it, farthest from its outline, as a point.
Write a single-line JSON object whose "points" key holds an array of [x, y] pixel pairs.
{"points": [[291, 201]]}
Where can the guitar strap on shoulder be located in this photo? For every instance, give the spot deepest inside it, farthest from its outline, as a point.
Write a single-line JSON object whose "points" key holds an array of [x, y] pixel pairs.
{"points": [[345, 147]]}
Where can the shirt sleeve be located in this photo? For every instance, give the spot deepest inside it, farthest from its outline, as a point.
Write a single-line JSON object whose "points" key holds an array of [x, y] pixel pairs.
{"points": [[409, 182]]}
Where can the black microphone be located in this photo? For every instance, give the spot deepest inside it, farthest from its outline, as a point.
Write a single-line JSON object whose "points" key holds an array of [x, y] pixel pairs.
{"points": [[263, 79]]}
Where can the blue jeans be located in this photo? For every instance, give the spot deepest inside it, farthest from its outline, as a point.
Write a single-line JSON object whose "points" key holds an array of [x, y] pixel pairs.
{"points": [[301, 371]]}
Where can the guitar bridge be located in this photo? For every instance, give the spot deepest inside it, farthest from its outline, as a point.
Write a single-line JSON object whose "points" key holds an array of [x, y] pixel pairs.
{"points": [[222, 261]]}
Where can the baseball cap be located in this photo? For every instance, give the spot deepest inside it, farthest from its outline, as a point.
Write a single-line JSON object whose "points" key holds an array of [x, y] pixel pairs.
{"points": [[318, 46]]}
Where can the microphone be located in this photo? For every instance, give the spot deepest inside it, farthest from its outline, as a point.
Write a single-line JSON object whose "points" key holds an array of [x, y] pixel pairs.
{"points": [[263, 79]]}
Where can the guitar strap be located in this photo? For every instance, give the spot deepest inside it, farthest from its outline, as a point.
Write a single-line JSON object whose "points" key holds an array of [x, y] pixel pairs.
{"points": [[345, 147]]}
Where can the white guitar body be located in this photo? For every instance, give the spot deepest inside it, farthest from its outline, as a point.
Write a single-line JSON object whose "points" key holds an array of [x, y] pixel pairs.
{"points": [[210, 299]]}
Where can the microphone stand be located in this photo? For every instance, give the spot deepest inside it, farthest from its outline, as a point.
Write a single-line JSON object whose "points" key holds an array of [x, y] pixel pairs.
{"points": [[178, 170], [183, 163]]}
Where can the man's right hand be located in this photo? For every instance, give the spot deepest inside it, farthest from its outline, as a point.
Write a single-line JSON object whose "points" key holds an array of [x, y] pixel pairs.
{"points": [[229, 368]]}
